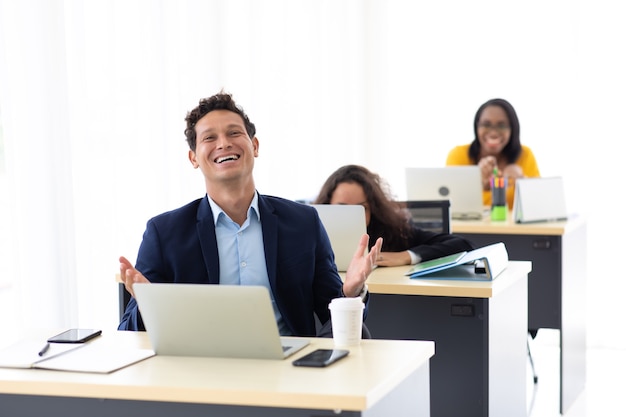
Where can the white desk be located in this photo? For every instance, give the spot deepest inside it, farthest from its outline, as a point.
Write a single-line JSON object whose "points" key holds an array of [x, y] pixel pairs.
{"points": [[556, 286], [378, 378], [479, 329]]}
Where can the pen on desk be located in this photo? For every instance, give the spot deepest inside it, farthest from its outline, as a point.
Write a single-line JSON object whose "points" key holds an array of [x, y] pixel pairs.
{"points": [[44, 349]]}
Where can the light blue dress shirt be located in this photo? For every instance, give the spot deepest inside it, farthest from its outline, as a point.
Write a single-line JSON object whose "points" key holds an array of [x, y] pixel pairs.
{"points": [[242, 254]]}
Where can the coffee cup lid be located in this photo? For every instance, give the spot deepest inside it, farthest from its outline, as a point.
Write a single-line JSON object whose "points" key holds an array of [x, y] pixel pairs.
{"points": [[347, 303]]}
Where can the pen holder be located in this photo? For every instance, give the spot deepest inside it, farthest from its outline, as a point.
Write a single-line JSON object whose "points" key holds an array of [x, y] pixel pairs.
{"points": [[498, 199]]}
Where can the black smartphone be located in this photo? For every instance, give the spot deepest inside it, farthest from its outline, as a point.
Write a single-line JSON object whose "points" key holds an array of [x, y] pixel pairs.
{"points": [[75, 336], [321, 357]]}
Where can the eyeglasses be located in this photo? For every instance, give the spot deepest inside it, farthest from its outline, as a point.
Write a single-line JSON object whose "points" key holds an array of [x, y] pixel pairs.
{"points": [[500, 127]]}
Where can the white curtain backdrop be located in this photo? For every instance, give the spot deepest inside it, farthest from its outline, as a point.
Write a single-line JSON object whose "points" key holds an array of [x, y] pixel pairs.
{"points": [[93, 95]]}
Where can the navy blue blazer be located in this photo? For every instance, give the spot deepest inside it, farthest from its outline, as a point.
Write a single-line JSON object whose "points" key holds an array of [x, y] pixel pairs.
{"points": [[180, 246]]}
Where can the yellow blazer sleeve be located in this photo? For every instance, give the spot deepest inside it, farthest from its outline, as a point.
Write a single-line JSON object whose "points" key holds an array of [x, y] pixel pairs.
{"points": [[528, 163], [459, 155]]}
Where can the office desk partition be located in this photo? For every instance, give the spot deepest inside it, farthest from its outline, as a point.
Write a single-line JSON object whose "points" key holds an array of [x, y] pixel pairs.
{"points": [[378, 378], [479, 329], [556, 285]]}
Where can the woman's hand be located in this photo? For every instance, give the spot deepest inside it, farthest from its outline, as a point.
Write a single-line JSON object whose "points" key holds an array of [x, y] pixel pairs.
{"points": [[487, 164], [511, 173], [393, 258]]}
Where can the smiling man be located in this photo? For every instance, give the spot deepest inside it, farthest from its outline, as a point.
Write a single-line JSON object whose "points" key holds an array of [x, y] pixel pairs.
{"points": [[237, 236]]}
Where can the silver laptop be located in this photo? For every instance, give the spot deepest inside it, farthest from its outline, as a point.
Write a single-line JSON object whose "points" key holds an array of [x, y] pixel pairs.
{"points": [[459, 184], [227, 321], [345, 224]]}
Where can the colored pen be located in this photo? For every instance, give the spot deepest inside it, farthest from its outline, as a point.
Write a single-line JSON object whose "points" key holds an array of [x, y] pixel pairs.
{"points": [[44, 349]]}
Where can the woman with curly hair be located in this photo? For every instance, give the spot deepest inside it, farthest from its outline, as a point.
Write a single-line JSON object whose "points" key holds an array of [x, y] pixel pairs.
{"points": [[403, 242]]}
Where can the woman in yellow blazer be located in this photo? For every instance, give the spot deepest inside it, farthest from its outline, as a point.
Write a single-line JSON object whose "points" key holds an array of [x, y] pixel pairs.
{"points": [[496, 144]]}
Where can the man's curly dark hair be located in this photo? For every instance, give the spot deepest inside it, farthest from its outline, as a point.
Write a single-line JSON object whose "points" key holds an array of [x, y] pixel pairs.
{"points": [[219, 101]]}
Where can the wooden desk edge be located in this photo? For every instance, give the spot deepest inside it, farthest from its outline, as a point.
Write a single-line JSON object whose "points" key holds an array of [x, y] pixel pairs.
{"points": [[486, 226], [393, 281], [139, 382]]}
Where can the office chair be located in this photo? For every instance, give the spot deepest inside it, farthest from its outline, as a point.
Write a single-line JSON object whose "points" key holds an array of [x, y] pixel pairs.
{"points": [[124, 298], [433, 215]]}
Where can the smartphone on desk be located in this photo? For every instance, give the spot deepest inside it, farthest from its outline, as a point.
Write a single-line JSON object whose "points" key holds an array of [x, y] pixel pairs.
{"points": [[321, 357], [75, 336]]}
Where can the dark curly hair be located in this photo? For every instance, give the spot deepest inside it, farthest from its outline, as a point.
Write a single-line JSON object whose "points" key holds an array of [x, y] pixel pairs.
{"points": [[513, 149], [387, 217], [219, 101]]}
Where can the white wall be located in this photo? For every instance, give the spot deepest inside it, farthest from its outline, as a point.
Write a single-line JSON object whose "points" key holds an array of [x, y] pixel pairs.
{"points": [[384, 83]]}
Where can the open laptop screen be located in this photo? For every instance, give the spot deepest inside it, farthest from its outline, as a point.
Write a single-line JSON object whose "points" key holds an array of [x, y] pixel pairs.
{"points": [[210, 320], [344, 224], [459, 184]]}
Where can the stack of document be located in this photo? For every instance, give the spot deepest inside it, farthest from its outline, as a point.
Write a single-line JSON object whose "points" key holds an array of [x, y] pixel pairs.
{"points": [[483, 264]]}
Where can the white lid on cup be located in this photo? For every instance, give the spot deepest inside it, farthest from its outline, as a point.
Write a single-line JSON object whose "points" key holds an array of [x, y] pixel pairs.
{"points": [[346, 303]]}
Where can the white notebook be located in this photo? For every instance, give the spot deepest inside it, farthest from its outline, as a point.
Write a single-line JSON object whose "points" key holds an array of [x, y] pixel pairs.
{"points": [[96, 356]]}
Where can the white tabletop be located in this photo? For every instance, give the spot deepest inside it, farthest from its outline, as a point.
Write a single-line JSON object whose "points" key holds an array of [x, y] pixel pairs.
{"points": [[391, 280], [509, 227], [358, 381]]}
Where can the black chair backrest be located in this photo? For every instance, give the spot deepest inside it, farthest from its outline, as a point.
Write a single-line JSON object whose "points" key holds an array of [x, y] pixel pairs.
{"points": [[124, 298], [431, 215]]}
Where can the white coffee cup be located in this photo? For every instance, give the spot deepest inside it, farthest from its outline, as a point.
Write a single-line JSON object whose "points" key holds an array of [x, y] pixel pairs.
{"points": [[347, 320]]}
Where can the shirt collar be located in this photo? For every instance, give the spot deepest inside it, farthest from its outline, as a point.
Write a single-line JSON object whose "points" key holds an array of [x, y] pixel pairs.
{"points": [[217, 210]]}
